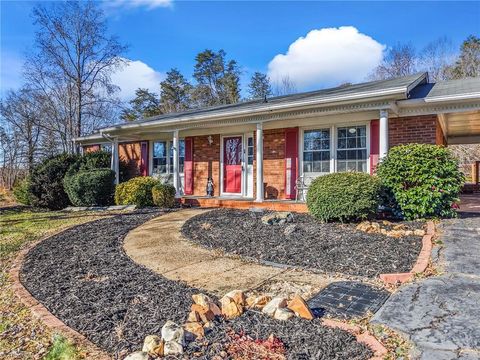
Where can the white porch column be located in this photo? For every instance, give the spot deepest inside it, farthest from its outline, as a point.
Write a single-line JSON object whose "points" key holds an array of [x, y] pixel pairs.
{"points": [[259, 157], [383, 146], [115, 166], [176, 175]]}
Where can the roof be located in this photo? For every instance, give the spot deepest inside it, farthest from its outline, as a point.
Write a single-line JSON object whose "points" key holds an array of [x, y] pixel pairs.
{"points": [[448, 90]]}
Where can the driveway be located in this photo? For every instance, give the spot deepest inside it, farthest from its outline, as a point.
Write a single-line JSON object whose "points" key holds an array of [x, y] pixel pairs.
{"points": [[441, 315]]}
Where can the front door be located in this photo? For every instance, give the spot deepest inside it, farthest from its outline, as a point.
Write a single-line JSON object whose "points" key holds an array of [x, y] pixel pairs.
{"points": [[232, 164]]}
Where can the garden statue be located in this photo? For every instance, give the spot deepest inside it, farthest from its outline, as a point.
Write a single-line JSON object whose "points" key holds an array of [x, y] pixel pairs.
{"points": [[210, 187]]}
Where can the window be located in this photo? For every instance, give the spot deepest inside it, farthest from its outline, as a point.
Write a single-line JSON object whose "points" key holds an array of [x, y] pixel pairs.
{"points": [[160, 157], [181, 156], [316, 151], [106, 147], [250, 151], [352, 148]]}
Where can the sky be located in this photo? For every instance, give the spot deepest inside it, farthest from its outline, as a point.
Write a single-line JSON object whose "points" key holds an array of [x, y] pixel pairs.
{"points": [[315, 44]]}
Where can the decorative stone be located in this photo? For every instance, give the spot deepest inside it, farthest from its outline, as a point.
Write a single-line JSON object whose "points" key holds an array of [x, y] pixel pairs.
{"points": [[290, 229], [204, 312], [238, 296], [283, 314], [277, 218], [173, 348], [418, 232], [172, 332], [194, 328], [258, 302], [137, 355], [150, 343], [300, 307], [273, 305], [193, 316], [201, 299], [160, 349], [230, 309], [214, 309]]}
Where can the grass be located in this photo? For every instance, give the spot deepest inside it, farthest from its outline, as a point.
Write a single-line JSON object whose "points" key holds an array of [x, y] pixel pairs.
{"points": [[21, 335]]}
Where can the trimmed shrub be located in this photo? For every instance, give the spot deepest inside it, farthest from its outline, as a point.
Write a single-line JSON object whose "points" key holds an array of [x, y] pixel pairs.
{"points": [[343, 197], [136, 191], [424, 180], [93, 187], [46, 182], [91, 160], [21, 191], [164, 195]]}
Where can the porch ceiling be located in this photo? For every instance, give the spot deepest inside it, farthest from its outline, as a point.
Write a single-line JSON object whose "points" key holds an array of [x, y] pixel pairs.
{"points": [[462, 128]]}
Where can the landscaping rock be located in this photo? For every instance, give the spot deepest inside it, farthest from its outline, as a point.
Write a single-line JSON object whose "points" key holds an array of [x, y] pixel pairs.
{"points": [[300, 307], [258, 302], [204, 312], [277, 218], [419, 232], [230, 309], [194, 328], [238, 296], [283, 314], [273, 305], [137, 355], [290, 229], [173, 348], [172, 332], [194, 316], [201, 299], [150, 343]]}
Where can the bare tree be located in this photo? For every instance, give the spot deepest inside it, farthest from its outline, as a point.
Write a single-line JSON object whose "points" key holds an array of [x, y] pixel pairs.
{"points": [[400, 60], [285, 86], [11, 168], [73, 64], [437, 58]]}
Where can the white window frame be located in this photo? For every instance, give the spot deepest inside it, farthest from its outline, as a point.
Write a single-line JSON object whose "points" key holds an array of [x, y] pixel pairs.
{"points": [[168, 144]]}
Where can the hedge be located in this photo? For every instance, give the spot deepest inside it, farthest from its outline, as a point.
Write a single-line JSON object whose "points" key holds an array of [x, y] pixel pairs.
{"points": [[93, 187], [164, 195], [136, 191]]}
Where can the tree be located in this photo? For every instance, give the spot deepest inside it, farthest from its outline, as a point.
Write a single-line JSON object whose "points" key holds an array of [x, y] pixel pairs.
{"points": [[145, 104], [436, 58], [217, 79], [259, 86], [74, 61], [399, 61], [468, 63], [175, 93], [285, 86]]}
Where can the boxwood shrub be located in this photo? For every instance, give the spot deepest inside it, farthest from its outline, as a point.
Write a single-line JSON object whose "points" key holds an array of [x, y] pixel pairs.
{"points": [[164, 195], [91, 160], [92, 187], [423, 179], [46, 182], [21, 191], [136, 191], [343, 197]]}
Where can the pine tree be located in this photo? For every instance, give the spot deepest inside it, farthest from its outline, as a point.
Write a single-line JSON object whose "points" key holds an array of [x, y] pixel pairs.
{"points": [[175, 93], [468, 63], [259, 86], [145, 104]]}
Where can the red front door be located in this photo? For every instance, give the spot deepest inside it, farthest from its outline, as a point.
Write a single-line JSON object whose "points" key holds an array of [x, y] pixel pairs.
{"points": [[232, 164]]}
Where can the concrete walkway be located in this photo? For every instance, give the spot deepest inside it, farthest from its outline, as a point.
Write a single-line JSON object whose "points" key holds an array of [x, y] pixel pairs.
{"points": [[159, 245], [441, 315]]}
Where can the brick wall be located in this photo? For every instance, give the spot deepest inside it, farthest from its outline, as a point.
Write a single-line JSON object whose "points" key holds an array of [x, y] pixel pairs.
{"points": [[206, 163], [91, 148], [273, 163], [416, 129]]}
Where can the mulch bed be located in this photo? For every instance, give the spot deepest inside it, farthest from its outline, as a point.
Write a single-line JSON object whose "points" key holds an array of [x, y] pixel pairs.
{"points": [[327, 248], [84, 278]]}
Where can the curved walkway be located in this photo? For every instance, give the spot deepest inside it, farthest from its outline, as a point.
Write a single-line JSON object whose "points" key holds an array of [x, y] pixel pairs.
{"points": [[160, 246], [441, 315]]}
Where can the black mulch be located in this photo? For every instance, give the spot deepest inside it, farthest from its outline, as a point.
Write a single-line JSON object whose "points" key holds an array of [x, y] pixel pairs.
{"points": [[83, 277], [330, 248]]}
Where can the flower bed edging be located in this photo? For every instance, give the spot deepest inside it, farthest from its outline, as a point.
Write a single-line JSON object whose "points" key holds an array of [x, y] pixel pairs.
{"points": [[366, 338], [421, 263], [41, 312]]}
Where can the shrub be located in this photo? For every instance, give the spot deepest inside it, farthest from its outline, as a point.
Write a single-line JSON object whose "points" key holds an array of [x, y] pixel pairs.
{"points": [[21, 191], [164, 195], [343, 196], [424, 180], [91, 187], [136, 191], [46, 182], [91, 160]]}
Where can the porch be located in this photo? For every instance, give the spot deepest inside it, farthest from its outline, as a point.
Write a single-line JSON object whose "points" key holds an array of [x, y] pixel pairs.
{"points": [[243, 203]]}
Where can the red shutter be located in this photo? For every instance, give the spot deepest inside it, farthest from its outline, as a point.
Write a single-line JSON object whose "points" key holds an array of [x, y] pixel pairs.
{"points": [[144, 158], [291, 161], [188, 166], [374, 144]]}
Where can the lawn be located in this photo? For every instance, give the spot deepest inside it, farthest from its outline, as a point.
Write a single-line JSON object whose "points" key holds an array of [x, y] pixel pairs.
{"points": [[22, 336]]}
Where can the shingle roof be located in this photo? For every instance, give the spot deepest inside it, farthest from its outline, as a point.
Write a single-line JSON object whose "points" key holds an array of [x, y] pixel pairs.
{"points": [[447, 89]]}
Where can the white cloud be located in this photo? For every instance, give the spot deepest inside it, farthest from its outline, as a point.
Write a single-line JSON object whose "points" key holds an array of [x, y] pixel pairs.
{"points": [[136, 75], [327, 57], [149, 4]]}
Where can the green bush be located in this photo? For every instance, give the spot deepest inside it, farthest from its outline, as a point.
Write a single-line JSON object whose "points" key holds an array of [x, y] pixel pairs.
{"points": [[424, 180], [21, 191], [343, 196], [136, 191], [93, 187], [164, 195], [91, 160], [46, 182]]}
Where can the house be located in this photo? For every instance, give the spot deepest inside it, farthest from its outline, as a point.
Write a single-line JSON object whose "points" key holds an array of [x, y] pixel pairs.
{"points": [[256, 151]]}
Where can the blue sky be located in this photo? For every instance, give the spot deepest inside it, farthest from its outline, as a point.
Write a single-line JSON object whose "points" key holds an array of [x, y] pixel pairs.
{"points": [[163, 34]]}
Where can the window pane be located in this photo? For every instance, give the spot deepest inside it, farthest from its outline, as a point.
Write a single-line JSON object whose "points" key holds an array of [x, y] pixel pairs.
{"points": [[352, 145], [159, 149]]}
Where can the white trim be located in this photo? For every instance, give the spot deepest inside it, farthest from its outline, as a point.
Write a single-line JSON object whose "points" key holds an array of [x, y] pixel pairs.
{"points": [[241, 194]]}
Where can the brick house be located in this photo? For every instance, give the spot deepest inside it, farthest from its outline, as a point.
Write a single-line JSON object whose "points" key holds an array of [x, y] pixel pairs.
{"points": [[256, 151]]}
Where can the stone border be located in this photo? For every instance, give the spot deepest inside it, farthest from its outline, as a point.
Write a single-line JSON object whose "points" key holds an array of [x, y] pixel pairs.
{"points": [[420, 265], [379, 351], [40, 312]]}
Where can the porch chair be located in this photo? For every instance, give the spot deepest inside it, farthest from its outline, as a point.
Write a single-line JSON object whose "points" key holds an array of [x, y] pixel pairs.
{"points": [[300, 188]]}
